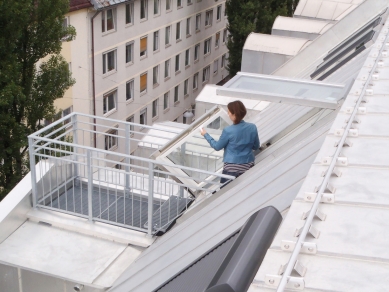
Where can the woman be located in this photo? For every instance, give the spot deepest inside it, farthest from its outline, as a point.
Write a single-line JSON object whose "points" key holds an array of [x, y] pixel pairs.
{"points": [[238, 141]]}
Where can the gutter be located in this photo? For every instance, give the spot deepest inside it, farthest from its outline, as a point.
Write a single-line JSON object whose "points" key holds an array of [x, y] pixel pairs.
{"points": [[93, 80]]}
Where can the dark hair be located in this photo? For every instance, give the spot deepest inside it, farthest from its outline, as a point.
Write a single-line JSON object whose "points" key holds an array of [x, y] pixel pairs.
{"points": [[238, 109]]}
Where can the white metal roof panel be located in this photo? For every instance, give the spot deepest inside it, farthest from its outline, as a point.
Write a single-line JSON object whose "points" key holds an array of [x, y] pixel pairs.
{"points": [[101, 4], [325, 9], [274, 44], [301, 24]]}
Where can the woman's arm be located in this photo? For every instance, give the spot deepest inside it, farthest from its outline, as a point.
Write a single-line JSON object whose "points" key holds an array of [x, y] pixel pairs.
{"points": [[256, 139], [217, 145]]}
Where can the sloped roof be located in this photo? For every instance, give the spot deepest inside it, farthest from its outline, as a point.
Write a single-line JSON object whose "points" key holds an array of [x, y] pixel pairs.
{"points": [[79, 4], [100, 4], [301, 25]]}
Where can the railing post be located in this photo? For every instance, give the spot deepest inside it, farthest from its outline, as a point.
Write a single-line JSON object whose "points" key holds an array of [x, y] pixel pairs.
{"points": [[33, 171], [75, 142], [127, 160], [150, 200], [90, 183]]}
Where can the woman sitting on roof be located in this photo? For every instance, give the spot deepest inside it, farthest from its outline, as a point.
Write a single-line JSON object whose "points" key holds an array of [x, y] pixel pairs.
{"points": [[238, 141]]}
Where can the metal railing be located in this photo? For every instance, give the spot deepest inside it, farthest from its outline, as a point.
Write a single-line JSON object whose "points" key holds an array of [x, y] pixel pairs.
{"points": [[106, 183]]}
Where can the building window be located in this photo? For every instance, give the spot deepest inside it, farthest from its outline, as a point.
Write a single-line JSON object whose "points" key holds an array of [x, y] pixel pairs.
{"points": [[186, 85], [109, 61], [167, 68], [156, 7], [130, 52], [177, 67], [156, 41], [111, 139], [143, 117], [217, 40], [198, 22], [219, 12], [167, 34], [197, 52], [223, 64], [179, 3], [207, 46], [190, 2], [155, 75], [224, 35], [130, 13], [132, 127], [178, 31], [154, 111], [176, 94], [143, 9], [195, 81], [206, 74], [188, 26], [168, 5], [187, 57], [208, 17], [130, 90], [143, 82], [143, 46], [166, 101], [109, 102], [107, 20], [215, 66]]}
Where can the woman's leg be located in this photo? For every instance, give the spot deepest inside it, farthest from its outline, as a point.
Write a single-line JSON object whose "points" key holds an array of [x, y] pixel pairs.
{"points": [[225, 181]]}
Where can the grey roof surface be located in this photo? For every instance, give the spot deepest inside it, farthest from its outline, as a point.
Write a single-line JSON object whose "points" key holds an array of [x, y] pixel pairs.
{"points": [[275, 179], [101, 4]]}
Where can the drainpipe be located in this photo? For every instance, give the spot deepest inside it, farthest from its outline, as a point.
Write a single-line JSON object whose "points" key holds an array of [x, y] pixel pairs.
{"points": [[93, 81]]}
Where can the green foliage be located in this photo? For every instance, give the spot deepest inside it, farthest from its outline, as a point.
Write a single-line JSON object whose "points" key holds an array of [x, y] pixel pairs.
{"points": [[246, 16], [31, 30]]}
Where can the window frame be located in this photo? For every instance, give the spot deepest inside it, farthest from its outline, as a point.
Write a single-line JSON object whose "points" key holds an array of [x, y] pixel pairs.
{"points": [[104, 21], [187, 58], [106, 102], [197, 53], [156, 75], [188, 27], [178, 31], [176, 98], [208, 17], [179, 4], [129, 17], [131, 119], [130, 45], [166, 101], [156, 41], [206, 74], [215, 62], [170, 5], [225, 35], [198, 22], [223, 61], [177, 63], [111, 139], [167, 69], [219, 12], [158, 7], [186, 88], [217, 39], [105, 62], [145, 3], [143, 112], [130, 90], [195, 81], [140, 83], [144, 55], [207, 46], [154, 109], [168, 35]]}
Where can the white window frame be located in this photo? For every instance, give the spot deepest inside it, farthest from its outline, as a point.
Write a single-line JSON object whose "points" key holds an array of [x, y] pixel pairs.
{"points": [[156, 75], [143, 113], [111, 139], [215, 66], [167, 69], [129, 17], [140, 77], [224, 35], [177, 63], [105, 61], [217, 40], [144, 4], [168, 35], [206, 74], [198, 22], [166, 101], [186, 88], [106, 102], [197, 53], [104, 20], [188, 28], [207, 46], [130, 90], [143, 54], [189, 2], [131, 46], [208, 18], [223, 62], [187, 58], [178, 31], [179, 4], [156, 41], [131, 119], [219, 12], [157, 7], [168, 5], [196, 81], [154, 109], [176, 96]]}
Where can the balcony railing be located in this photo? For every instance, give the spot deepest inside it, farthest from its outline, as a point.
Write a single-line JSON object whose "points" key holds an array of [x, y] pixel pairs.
{"points": [[106, 183]]}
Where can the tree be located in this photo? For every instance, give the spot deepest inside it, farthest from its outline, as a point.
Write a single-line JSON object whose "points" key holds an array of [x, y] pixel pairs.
{"points": [[246, 16], [32, 31]]}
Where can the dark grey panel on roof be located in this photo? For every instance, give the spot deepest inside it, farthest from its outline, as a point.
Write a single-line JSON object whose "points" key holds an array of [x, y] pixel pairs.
{"points": [[197, 276]]}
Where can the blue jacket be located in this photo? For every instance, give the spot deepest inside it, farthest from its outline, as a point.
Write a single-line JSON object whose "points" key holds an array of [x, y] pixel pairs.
{"points": [[238, 142]]}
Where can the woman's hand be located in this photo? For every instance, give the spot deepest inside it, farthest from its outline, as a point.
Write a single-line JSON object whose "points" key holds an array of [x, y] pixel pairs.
{"points": [[202, 131]]}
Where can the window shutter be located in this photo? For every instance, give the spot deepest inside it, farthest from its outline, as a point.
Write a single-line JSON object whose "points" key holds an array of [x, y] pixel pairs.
{"points": [[143, 82], [143, 44]]}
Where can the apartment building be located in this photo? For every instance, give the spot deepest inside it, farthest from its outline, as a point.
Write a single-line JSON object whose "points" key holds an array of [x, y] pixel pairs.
{"points": [[143, 61]]}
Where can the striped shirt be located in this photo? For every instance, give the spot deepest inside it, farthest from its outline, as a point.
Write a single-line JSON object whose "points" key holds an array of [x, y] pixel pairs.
{"points": [[238, 168]]}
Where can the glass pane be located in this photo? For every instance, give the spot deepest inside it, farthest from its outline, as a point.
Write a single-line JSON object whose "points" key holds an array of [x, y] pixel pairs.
{"points": [[195, 152], [110, 19]]}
